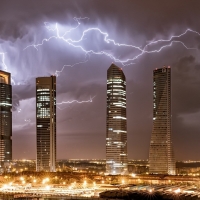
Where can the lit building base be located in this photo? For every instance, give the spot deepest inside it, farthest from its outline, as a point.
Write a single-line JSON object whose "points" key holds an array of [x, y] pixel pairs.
{"points": [[116, 168]]}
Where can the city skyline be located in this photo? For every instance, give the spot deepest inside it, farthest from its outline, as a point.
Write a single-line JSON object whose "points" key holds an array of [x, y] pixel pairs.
{"points": [[81, 126]]}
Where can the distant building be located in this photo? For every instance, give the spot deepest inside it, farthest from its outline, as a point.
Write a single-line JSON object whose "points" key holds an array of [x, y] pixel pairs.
{"points": [[138, 166], [5, 119], [188, 168], [116, 130], [46, 123], [161, 157]]}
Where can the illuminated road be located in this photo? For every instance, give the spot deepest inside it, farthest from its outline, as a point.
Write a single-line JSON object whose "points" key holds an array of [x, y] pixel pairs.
{"points": [[174, 191], [93, 191], [49, 190]]}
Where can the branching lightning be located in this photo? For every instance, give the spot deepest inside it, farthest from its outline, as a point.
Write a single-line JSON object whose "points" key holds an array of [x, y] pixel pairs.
{"points": [[154, 46], [128, 61]]}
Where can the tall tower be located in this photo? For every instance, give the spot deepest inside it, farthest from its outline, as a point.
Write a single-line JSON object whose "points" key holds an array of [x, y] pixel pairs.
{"points": [[46, 123], [161, 157], [116, 130], [5, 119]]}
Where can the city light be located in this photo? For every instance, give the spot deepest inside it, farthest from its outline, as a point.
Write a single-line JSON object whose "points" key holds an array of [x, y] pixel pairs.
{"points": [[177, 191], [47, 187], [121, 90], [133, 175], [85, 184]]}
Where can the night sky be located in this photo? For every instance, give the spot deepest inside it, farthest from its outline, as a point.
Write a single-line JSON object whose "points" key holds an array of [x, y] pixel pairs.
{"points": [[81, 128]]}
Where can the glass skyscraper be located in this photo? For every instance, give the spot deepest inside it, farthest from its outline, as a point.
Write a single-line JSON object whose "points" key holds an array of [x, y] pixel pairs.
{"points": [[161, 157], [116, 130], [5, 120], [46, 123]]}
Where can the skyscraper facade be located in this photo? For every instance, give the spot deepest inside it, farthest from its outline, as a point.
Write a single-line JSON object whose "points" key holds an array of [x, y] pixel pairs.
{"points": [[161, 157], [5, 119], [46, 123], [116, 130]]}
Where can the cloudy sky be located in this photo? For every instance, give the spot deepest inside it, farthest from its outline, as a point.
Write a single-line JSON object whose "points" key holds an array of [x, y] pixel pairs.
{"points": [[86, 36]]}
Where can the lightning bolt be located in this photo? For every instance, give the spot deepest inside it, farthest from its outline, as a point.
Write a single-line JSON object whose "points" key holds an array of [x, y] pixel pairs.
{"points": [[75, 101], [107, 40], [57, 73], [5, 68]]}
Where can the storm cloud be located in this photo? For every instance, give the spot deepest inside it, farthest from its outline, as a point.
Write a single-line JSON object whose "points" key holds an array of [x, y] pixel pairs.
{"points": [[81, 128]]}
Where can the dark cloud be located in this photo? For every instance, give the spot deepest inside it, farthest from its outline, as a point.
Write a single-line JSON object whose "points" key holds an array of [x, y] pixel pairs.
{"points": [[149, 18], [185, 136], [186, 85], [185, 63], [130, 22]]}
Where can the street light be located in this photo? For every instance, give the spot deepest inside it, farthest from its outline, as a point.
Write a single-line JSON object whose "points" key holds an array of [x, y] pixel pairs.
{"points": [[94, 184], [47, 187], [133, 175], [84, 183], [177, 191]]}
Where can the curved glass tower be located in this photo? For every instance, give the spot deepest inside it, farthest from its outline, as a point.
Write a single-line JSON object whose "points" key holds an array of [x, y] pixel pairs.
{"points": [[5, 119], [116, 130], [161, 157]]}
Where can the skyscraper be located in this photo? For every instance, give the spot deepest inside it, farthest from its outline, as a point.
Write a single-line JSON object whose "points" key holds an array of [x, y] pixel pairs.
{"points": [[46, 123], [5, 119], [116, 130], [161, 157]]}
